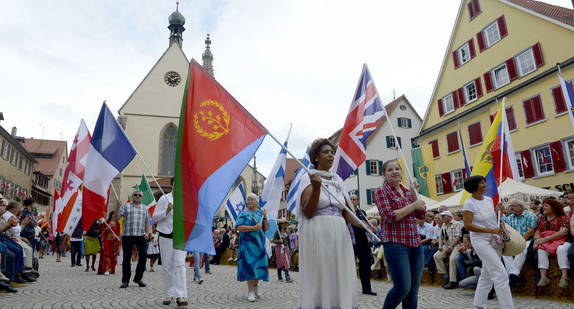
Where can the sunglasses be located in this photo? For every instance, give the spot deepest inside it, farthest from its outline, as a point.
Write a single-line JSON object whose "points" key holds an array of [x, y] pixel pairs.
{"points": [[137, 195]]}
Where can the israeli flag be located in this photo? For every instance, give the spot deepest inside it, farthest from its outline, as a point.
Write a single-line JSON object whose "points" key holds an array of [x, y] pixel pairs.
{"points": [[294, 190], [274, 185], [236, 202]]}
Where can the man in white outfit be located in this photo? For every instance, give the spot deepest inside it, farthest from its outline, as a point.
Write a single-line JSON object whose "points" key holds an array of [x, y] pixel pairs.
{"points": [[173, 260]]}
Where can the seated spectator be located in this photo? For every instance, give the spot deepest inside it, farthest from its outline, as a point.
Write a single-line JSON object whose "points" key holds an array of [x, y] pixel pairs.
{"points": [[14, 254], [29, 230], [14, 210], [433, 248], [570, 202], [448, 244], [426, 232], [536, 208], [223, 245], [524, 222], [233, 243], [550, 238]]}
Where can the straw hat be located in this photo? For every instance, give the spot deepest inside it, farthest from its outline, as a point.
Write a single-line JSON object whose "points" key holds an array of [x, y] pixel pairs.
{"points": [[282, 220], [516, 244]]}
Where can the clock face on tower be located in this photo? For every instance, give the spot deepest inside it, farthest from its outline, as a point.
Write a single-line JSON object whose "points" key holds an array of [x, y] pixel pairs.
{"points": [[172, 78]]}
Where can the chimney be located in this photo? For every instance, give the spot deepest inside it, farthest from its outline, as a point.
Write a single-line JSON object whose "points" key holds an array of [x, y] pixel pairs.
{"points": [[14, 130]]}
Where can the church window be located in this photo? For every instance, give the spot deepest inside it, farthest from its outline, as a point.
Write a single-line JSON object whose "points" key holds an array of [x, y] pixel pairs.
{"points": [[169, 143]]}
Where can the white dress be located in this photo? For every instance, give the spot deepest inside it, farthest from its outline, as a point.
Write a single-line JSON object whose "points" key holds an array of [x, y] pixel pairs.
{"points": [[327, 271]]}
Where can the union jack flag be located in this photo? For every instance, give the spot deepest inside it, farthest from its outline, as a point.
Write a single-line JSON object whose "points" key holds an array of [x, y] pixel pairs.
{"points": [[364, 113]]}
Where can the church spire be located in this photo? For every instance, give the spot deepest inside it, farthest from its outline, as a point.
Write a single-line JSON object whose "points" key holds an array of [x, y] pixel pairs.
{"points": [[208, 57], [176, 22]]}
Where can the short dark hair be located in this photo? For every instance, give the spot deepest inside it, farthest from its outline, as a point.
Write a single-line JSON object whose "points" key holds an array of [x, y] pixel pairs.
{"points": [[171, 181], [536, 202], [111, 215], [471, 183], [315, 149], [12, 205], [29, 201], [557, 206]]}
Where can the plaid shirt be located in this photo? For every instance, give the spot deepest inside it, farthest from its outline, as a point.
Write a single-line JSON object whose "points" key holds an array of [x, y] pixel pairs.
{"points": [[522, 223], [135, 218], [449, 232], [404, 231]]}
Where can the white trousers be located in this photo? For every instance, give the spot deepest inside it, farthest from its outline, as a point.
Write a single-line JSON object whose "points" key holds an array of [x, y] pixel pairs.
{"points": [[173, 261], [514, 264], [561, 252], [492, 272]]}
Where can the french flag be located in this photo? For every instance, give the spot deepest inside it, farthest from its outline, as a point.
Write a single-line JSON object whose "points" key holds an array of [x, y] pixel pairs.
{"points": [[110, 152]]}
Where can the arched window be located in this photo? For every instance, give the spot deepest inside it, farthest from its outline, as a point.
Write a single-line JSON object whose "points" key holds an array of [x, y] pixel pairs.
{"points": [[168, 143]]}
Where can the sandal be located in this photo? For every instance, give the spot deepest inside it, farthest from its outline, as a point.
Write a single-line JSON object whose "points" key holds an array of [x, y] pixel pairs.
{"points": [[181, 303], [167, 301]]}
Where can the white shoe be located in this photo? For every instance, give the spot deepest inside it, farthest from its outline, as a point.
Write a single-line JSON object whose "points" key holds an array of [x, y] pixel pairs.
{"points": [[200, 281], [230, 259], [235, 259], [256, 291], [251, 297], [107, 273]]}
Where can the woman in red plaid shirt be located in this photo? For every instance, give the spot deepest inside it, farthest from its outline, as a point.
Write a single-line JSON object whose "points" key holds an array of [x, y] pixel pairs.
{"points": [[398, 207]]}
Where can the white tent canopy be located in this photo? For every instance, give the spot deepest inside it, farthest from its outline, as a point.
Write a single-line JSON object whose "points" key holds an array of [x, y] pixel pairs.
{"points": [[509, 189]]}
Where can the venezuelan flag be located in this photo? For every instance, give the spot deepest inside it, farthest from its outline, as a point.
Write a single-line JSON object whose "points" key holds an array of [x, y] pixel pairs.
{"points": [[495, 154], [217, 138]]}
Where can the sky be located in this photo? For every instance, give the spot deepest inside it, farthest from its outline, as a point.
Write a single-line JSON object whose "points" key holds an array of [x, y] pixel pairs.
{"points": [[287, 62]]}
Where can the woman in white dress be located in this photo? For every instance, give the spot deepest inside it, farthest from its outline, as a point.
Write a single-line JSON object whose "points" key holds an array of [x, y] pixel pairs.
{"points": [[327, 273]]}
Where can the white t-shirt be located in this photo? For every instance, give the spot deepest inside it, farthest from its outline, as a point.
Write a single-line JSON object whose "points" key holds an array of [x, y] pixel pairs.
{"points": [[484, 214]]}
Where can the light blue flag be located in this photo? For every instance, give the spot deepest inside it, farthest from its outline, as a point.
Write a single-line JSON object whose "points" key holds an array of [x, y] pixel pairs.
{"points": [[274, 185], [236, 202], [294, 190]]}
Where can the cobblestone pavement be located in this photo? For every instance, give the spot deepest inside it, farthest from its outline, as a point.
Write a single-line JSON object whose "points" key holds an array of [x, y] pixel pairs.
{"points": [[62, 286]]}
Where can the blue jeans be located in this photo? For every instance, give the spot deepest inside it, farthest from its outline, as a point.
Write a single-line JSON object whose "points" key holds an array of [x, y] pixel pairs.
{"points": [[197, 257], [460, 264], [406, 267], [207, 269], [429, 260]]}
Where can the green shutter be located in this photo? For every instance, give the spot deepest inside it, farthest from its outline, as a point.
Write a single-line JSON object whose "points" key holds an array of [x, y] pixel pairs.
{"points": [[388, 142], [399, 140], [410, 123], [369, 199], [368, 166], [399, 121], [380, 167]]}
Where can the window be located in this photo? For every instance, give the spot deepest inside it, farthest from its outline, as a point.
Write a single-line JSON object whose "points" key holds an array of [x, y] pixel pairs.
{"points": [[457, 180], [500, 76], [27, 168], [404, 122], [473, 9], [569, 145], [543, 160], [448, 103], [169, 143], [438, 180], [20, 163], [373, 166], [464, 54], [475, 134], [452, 142], [403, 108], [525, 62], [519, 165], [470, 92], [491, 34], [435, 150], [14, 157], [392, 143], [558, 98], [5, 150], [61, 171], [533, 110]]}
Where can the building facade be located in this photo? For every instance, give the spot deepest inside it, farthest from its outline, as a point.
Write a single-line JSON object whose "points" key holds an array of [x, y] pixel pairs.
{"points": [[16, 167]]}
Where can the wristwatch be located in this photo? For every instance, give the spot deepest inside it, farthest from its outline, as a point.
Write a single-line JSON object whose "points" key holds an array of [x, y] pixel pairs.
{"points": [[547, 237]]}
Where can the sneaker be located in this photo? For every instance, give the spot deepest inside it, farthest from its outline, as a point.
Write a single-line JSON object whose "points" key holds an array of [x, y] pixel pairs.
{"points": [[230, 259], [543, 281], [235, 260], [251, 297], [373, 267], [427, 269], [107, 273], [200, 281], [256, 291], [564, 283], [209, 272], [288, 280], [151, 270], [280, 279]]}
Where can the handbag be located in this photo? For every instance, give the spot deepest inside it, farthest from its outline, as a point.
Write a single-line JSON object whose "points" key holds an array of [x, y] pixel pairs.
{"points": [[515, 243]]}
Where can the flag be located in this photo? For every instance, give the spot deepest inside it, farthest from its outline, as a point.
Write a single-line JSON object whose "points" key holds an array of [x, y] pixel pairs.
{"points": [[423, 166], [147, 197], [496, 154], [236, 202], [273, 189], [401, 163], [217, 138], [68, 207], [365, 111], [466, 164], [294, 190], [110, 152], [568, 93]]}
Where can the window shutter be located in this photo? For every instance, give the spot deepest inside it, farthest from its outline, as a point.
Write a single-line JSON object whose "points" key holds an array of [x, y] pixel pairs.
{"points": [[369, 197], [511, 68], [557, 156], [455, 99], [446, 183], [380, 163], [399, 121], [399, 141], [463, 174], [527, 164], [510, 118], [528, 110], [388, 142], [476, 6], [435, 151], [502, 26], [368, 166], [478, 87], [537, 51], [471, 48], [409, 123], [559, 102], [440, 108], [537, 107], [488, 82], [455, 59], [480, 41], [492, 117], [461, 97], [471, 11], [475, 133]]}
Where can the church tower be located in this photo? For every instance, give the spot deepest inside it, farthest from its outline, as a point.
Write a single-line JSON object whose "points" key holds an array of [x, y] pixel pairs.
{"points": [[208, 57], [176, 22]]}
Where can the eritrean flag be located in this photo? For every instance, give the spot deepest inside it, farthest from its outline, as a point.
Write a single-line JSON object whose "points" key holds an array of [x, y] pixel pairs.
{"points": [[216, 140]]}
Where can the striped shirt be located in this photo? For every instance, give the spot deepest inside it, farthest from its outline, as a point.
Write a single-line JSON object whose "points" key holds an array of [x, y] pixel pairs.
{"points": [[448, 233], [521, 224], [135, 218], [404, 231]]}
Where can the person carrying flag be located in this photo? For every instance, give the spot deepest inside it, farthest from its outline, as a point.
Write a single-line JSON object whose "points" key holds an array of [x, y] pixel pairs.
{"points": [[173, 260], [136, 232]]}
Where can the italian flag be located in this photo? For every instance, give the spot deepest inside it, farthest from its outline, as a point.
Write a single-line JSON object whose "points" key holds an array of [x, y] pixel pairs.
{"points": [[147, 199]]}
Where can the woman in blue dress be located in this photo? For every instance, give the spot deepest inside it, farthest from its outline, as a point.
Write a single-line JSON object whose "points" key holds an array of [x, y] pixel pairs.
{"points": [[252, 258]]}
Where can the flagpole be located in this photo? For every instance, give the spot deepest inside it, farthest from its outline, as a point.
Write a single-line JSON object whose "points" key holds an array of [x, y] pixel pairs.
{"points": [[502, 143], [325, 187], [111, 229]]}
